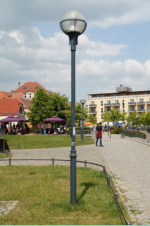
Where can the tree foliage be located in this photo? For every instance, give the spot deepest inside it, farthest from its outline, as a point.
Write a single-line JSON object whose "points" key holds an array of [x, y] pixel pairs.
{"points": [[114, 115], [92, 119], [41, 107]]}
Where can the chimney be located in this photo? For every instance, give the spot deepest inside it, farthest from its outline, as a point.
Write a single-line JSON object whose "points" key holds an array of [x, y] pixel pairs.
{"points": [[18, 84], [120, 85]]}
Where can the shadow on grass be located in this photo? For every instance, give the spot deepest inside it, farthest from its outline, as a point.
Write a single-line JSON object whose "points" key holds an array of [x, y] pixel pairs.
{"points": [[87, 186]]}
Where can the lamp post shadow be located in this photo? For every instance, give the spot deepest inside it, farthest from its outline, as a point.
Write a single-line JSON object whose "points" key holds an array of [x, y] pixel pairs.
{"points": [[87, 186]]}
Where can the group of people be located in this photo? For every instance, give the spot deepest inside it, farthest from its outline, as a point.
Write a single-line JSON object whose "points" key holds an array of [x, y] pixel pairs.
{"points": [[15, 129], [53, 130]]}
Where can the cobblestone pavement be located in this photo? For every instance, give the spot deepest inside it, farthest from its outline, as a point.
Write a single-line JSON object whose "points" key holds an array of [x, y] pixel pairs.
{"points": [[7, 206], [127, 160]]}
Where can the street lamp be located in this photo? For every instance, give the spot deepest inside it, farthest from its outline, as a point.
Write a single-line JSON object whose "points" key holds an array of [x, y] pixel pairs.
{"points": [[73, 24], [137, 120], [82, 101]]}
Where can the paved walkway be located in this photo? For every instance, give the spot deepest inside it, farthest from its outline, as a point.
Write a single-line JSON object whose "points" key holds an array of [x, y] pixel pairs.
{"points": [[126, 159]]}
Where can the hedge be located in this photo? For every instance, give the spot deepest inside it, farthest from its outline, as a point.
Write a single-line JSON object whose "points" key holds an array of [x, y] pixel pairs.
{"points": [[86, 130], [129, 133]]}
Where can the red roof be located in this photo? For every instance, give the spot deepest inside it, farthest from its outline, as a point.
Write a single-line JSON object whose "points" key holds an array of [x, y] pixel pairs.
{"points": [[4, 95], [29, 87], [9, 106]]}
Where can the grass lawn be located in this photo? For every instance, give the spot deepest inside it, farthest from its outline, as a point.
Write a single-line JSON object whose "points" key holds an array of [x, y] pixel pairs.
{"points": [[44, 141], [3, 156], [43, 193]]}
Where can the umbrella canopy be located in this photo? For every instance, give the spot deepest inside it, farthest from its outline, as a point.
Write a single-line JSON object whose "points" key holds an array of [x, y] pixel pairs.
{"points": [[12, 119], [89, 124], [54, 119], [22, 119]]}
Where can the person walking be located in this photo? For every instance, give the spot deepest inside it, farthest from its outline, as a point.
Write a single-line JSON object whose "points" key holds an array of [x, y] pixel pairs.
{"points": [[99, 134]]}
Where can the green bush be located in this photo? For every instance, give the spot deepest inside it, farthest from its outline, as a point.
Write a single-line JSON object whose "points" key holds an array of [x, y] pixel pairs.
{"points": [[133, 133], [86, 130], [116, 131], [32, 130]]}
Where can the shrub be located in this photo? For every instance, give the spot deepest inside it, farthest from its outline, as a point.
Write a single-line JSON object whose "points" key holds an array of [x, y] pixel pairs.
{"points": [[86, 130], [116, 131], [133, 133]]}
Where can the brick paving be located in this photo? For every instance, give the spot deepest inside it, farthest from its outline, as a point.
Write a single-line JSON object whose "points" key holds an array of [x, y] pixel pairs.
{"points": [[127, 160]]}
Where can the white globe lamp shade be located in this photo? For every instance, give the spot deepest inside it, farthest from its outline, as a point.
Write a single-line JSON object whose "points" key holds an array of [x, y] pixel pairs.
{"points": [[82, 101], [73, 22]]}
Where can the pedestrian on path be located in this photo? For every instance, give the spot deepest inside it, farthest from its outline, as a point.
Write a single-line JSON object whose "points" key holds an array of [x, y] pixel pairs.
{"points": [[99, 134]]}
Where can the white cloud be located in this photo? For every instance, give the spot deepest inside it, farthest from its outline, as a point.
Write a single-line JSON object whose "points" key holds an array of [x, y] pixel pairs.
{"points": [[26, 56], [18, 14]]}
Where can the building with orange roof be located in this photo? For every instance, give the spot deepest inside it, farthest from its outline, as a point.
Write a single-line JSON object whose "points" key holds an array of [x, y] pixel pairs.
{"points": [[5, 95], [10, 107], [27, 90]]}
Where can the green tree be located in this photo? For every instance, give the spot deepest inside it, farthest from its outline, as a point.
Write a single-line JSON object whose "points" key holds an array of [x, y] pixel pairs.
{"points": [[41, 108], [106, 116], [92, 119], [61, 105], [147, 119], [115, 115], [132, 118], [141, 119], [78, 112]]}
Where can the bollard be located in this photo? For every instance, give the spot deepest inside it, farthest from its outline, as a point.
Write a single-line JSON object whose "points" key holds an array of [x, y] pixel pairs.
{"points": [[53, 161], [110, 135], [85, 163], [10, 161], [18, 146]]}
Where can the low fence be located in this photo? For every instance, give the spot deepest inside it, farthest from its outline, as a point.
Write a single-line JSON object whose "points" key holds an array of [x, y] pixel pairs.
{"points": [[85, 164]]}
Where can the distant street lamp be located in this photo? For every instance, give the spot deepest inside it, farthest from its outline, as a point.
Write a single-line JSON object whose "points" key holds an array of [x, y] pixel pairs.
{"points": [[73, 24], [82, 101], [137, 117]]}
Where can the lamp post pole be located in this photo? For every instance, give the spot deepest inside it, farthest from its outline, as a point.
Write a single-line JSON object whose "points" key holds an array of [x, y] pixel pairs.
{"points": [[82, 101], [73, 24]]}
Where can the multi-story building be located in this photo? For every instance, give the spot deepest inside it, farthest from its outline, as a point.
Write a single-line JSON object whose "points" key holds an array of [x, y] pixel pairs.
{"points": [[124, 100]]}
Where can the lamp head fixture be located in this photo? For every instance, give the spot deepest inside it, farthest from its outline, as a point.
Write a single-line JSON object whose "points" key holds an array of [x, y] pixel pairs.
{"points": [[82, 101]]}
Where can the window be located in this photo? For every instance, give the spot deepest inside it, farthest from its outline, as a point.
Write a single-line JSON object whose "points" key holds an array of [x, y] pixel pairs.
{"points": [[141, 107], [92, 102], [116, 102], [92, 110], [97, 95], [108, 102], [114, 94], [101, 103], [123, 110], [131, 100], [108, 109], [102, 95], [116, 108], [25, 96], [141, 100], [101, 110], [124, 94], [134, 93], [24, 87], [146, 92], [36, 87], [122, 103], [30, 95], [131, 108]]}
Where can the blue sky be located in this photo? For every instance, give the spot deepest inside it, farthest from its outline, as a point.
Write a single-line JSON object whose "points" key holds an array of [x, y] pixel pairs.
{"points": [[114, 49]]}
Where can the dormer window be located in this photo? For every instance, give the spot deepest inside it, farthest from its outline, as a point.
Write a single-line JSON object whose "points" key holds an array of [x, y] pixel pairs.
{"points": [[24, 87], [36, 87]]}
